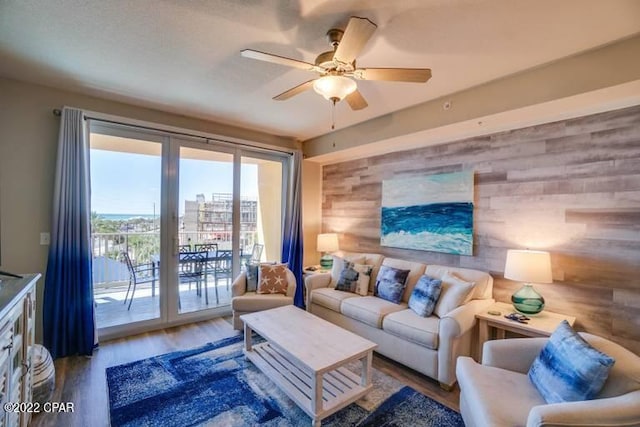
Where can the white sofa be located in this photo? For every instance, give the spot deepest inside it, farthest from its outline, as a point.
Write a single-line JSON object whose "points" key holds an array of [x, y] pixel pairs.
{"points": [[498, 393], [430, 345]]}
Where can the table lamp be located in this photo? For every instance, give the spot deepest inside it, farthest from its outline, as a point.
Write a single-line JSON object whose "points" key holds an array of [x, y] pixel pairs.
{"points": [[528, 267], [327, 243]]}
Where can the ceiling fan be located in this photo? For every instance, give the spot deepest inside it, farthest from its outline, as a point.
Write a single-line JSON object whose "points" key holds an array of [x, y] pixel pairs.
{"points": [[337, 68]]}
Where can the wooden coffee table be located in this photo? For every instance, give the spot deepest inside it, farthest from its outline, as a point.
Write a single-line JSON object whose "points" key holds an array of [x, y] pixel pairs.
{"points": [[305, 356]]}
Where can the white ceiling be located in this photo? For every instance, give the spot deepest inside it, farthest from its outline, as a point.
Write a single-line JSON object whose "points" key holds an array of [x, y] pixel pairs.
{"points": [[184, 56]]}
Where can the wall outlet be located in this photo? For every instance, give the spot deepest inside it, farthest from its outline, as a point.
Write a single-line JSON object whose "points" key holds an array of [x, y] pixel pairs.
{"points": [[45, 238]]}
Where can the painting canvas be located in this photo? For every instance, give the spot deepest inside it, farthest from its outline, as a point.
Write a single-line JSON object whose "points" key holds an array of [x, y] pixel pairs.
{"points": [[429, 213]]}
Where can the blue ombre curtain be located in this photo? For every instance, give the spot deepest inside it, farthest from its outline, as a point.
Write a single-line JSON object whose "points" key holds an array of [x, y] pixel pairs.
{"points": [[292, 237], [68, 311]]}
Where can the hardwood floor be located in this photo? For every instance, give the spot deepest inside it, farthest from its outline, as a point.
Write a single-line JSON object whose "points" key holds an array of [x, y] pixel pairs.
{"points": [[81, 380]]}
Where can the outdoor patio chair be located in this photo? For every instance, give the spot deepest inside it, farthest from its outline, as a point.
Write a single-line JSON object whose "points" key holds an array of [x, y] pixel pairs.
{"points": [[211, 250], [192, 268], [139, 273], [223, 268], [256, 252], [251, 258]]}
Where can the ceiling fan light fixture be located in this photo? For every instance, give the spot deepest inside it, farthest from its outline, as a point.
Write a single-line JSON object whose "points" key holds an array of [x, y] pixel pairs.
{"points": [[334, 88]]}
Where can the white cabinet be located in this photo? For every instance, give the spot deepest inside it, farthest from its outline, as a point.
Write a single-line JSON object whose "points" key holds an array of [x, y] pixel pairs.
{"points": [[6, 343], [17, 321]]}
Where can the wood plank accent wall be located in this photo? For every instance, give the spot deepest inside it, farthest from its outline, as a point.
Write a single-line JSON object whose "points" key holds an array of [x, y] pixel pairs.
{"points": [[569, 187]]}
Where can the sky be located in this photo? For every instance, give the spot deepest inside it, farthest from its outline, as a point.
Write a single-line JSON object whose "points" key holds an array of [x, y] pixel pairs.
{"points": [[126, 183]]}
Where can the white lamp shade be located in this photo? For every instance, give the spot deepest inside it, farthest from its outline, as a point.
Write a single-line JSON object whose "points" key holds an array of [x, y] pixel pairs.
{"points": [[528, 266], [337, 87], [327, 242]]}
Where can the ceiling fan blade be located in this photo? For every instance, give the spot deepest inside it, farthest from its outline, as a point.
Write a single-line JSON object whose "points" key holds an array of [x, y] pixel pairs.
{"points": [[294, 91], [416, 75], [356, 101], [356, 35], [269, 57]]}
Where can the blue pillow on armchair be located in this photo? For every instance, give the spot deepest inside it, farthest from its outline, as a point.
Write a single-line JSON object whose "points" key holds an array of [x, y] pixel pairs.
{"points": [[252, 277], [568, 368], [391, 283]]}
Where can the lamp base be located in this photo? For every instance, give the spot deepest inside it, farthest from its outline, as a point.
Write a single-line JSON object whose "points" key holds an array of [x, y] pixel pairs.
{"points": [[326, 262], [526, 300]]}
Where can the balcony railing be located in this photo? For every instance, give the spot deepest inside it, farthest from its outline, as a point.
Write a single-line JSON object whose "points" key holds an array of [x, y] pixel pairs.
{"points": [[143, 246]]}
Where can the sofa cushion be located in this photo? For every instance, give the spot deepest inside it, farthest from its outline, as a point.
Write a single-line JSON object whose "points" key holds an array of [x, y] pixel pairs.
{"points": [[425, 295], [370, 310], [330, 298], [455, 292], [506, 405], [252, 301], [416, 270], [408, 325], [569, 369]]}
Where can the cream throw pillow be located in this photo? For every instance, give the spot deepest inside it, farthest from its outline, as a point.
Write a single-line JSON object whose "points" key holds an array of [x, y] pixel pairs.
{"points": [[364, 277], [454, 293]]}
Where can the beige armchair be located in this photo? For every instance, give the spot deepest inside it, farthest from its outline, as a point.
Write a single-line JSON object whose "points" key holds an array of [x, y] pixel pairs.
{"points": [[248, 302], [498, 392]]}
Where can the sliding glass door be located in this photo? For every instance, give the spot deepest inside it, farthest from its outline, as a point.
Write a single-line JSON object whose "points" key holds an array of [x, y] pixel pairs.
{"points": [[175, 219], [126, 179], [230, 206], [205, 228]]}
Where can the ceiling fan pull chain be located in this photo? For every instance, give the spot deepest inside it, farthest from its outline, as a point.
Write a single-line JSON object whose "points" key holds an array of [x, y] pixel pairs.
{"points": [[333, 114]]}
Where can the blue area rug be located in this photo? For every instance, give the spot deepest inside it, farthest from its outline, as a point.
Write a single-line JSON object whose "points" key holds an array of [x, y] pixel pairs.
{"points": [[214, 385]]}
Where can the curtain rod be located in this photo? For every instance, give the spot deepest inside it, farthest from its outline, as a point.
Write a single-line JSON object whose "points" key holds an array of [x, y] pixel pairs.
{"points": [[58, 112]]}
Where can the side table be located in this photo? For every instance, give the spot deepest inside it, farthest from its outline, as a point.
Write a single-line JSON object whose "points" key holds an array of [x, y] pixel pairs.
{"points": [[541, 325], [308, 273]]}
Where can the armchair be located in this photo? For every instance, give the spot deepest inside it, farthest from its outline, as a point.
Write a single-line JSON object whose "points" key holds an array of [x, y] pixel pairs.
{"points": [[498, 392], [248, 302]]}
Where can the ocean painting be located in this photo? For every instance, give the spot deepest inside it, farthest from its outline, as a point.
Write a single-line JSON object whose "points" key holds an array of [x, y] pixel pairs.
{"points": [[429, 213]]}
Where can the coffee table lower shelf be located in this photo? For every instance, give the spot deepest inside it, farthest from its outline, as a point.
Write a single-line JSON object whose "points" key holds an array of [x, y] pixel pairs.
{"points": [[339, 387]]}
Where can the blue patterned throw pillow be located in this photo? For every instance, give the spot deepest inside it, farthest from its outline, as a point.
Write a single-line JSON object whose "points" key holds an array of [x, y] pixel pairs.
{"points": [[348, 280], [252, 277], [425, 296], [568, 368], [391, 283], [354, 278]]}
